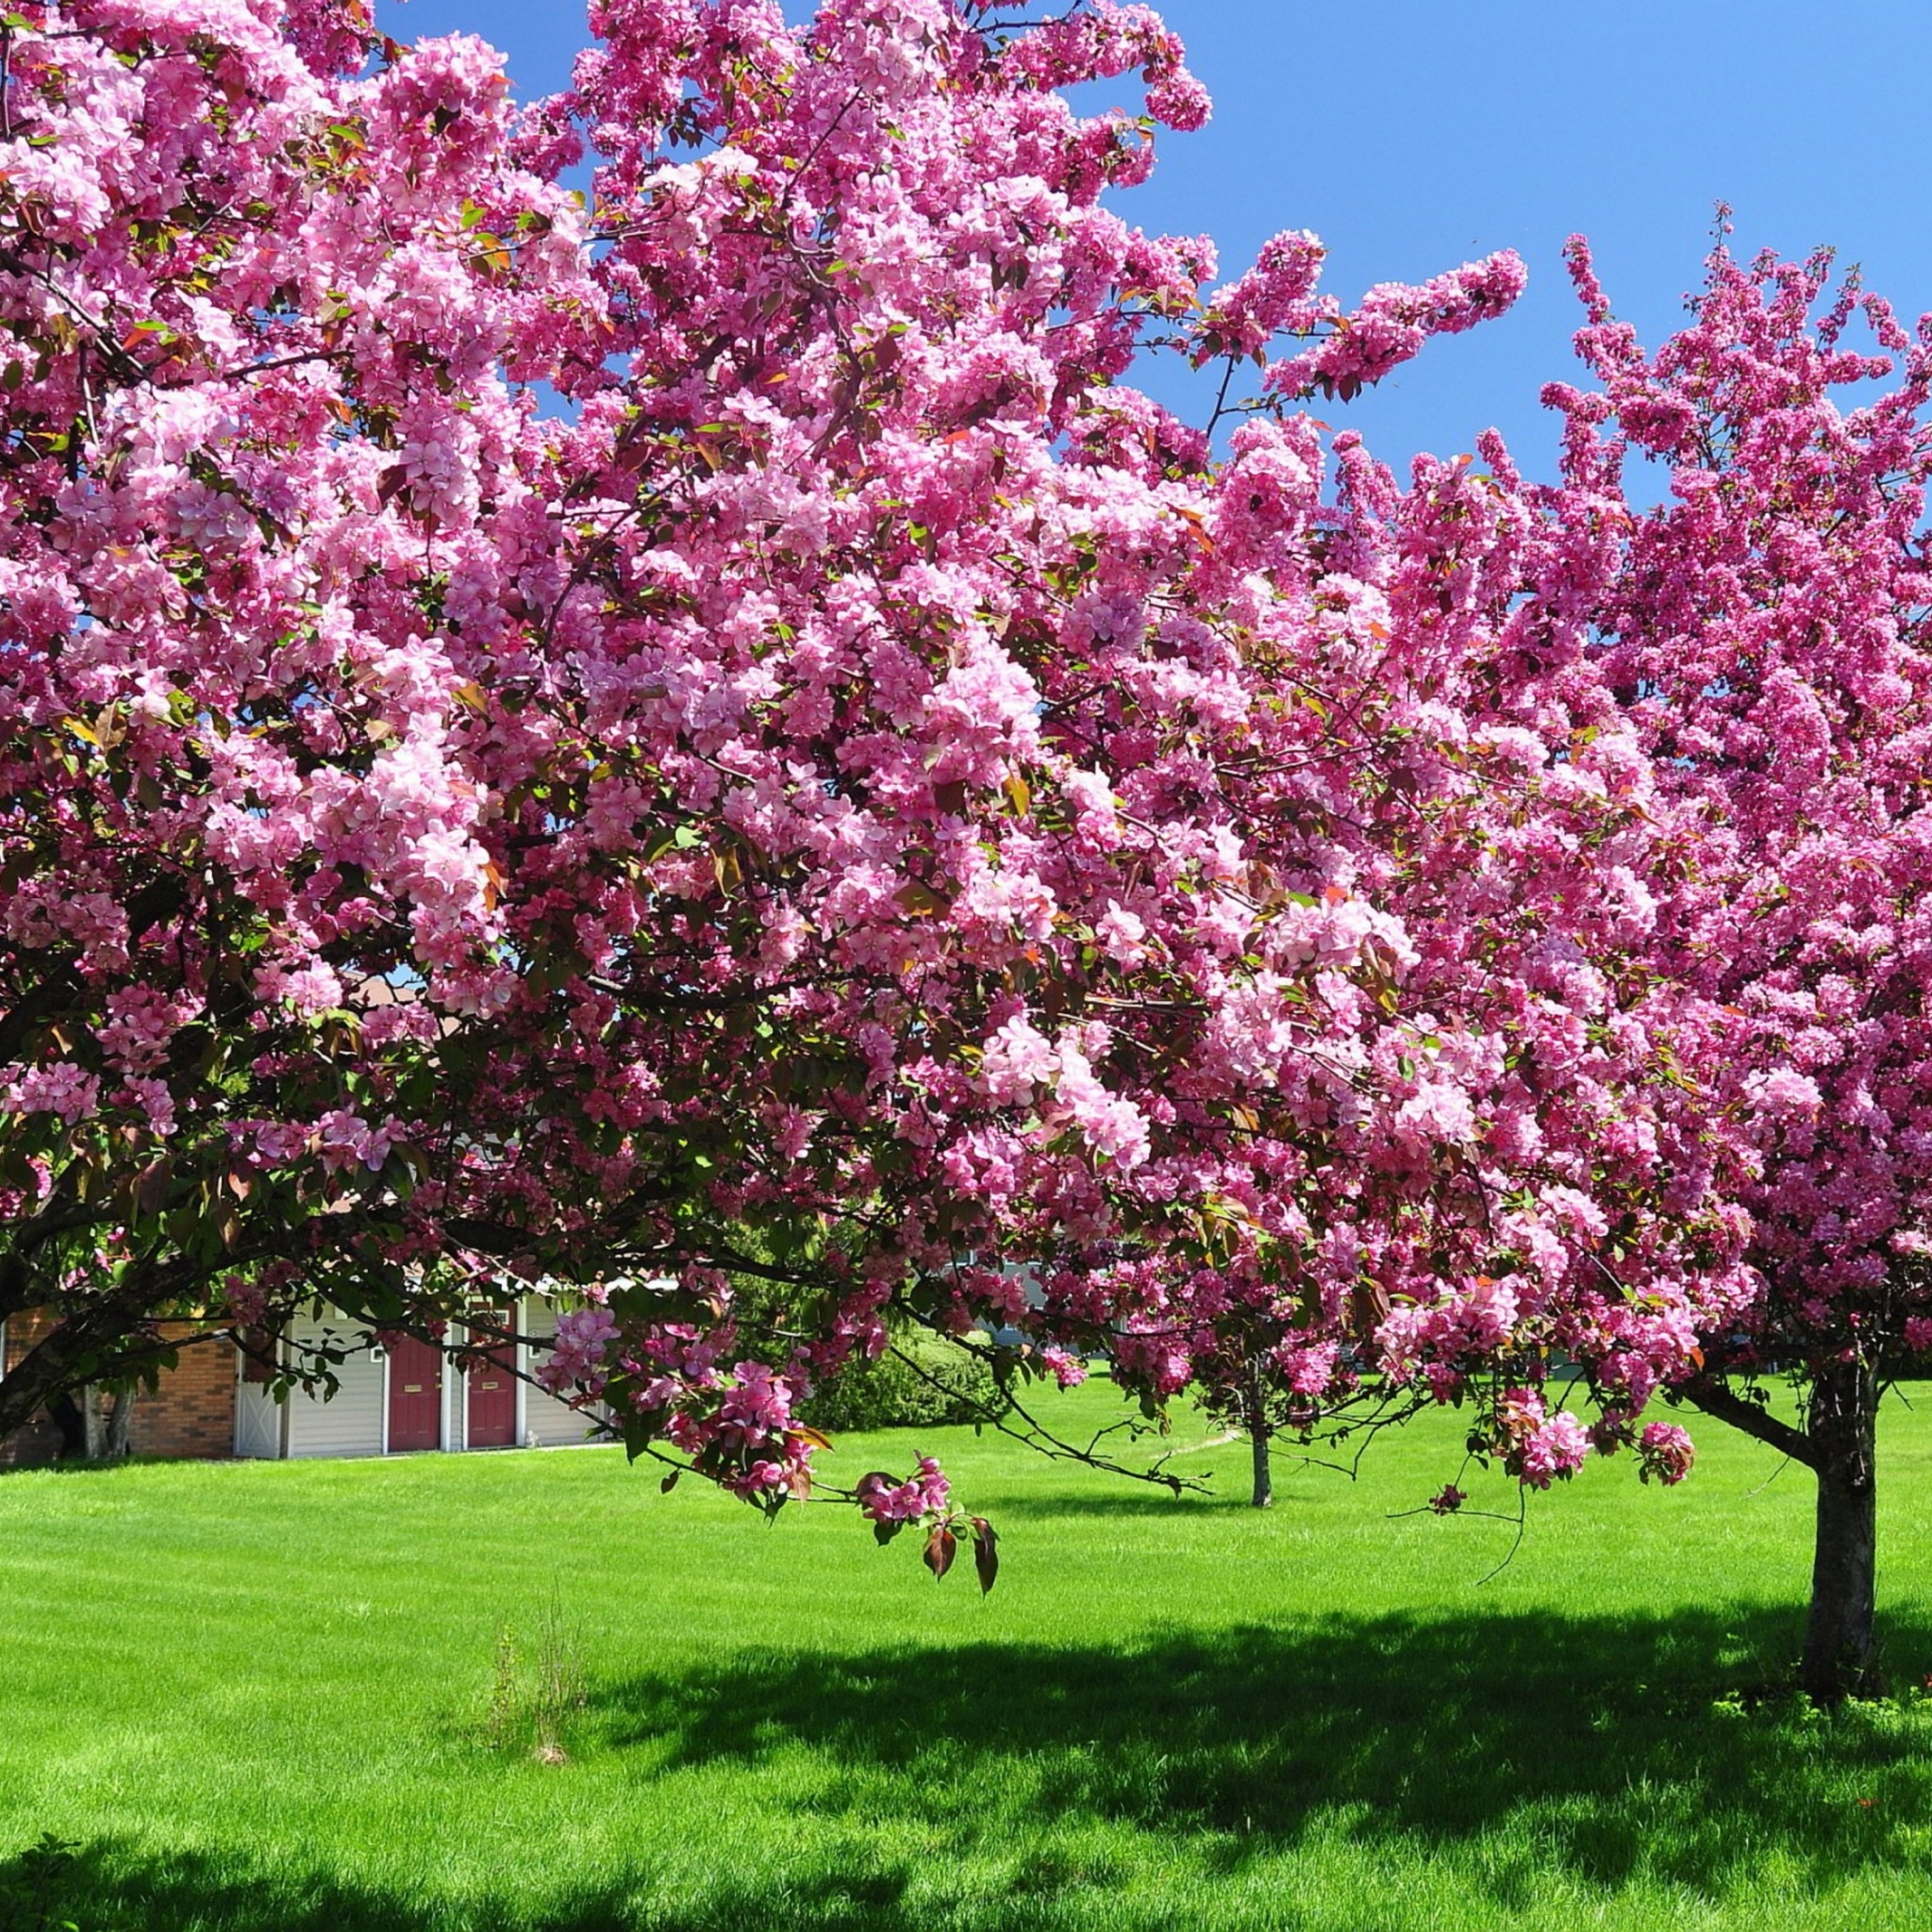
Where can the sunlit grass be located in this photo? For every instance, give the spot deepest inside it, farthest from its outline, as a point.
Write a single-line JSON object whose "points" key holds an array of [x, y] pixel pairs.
{"points": [[270, 1695]]}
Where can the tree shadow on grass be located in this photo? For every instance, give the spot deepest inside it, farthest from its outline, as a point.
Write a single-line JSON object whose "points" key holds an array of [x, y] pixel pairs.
{"points": [[1601, 1750], [108, 1887], [1618, 1744]]}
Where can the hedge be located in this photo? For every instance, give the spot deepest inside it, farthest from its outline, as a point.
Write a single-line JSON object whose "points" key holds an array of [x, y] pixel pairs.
{"points": [[891, 1394]]}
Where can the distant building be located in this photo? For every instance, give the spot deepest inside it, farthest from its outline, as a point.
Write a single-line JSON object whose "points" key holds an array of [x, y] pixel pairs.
{"points": [[390, 1400]]}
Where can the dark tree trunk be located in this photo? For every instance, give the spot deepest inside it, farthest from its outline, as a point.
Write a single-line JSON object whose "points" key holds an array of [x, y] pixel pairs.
{"points": [[1264, 1476], [1258, 1435], [103, 1338], [1842, 1426], [66, 1414], [1839, 1445]]}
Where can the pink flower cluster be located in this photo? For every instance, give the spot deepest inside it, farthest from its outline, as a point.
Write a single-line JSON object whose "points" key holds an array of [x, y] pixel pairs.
{"points": [[1394, 324], [577, 1356], [926, 1493], [1539, 1445], [1665, 1453], [1272, 298]]}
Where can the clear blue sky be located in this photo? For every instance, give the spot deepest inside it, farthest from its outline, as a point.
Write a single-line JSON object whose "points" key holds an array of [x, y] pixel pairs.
{"points": [[1414, 134]]}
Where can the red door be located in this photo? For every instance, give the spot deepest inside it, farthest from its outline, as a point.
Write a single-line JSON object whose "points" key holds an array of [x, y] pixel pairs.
{"points": [[491, 1404], [415, 1395]]}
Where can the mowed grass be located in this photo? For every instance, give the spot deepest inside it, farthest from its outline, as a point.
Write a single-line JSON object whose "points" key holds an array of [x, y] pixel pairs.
{"points": [[258, 1697]]}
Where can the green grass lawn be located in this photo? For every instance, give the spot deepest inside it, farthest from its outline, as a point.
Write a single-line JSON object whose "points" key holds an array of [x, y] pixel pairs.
{"points": [[259, 1697]]}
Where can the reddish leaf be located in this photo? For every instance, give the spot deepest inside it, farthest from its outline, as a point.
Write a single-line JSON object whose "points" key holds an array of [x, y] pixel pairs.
{"points": [[1198, 524], [1368, 1309], [986, 1553], [151, 1191], [940, 1548], [670, 1482]]}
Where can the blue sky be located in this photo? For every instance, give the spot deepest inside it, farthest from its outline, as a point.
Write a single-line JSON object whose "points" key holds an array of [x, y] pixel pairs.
{"points": [[1417, 133]]}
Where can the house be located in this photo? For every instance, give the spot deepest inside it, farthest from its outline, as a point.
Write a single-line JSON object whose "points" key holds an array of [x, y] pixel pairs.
{"points": [[390, 1400], [405, 1396]]}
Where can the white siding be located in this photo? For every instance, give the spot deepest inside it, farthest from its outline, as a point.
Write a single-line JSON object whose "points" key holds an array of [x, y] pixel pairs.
{"points": [[351, 1421]]}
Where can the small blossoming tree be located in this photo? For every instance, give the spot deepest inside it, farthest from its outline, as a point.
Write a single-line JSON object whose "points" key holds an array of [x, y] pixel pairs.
{"points": [[1766, 635]]}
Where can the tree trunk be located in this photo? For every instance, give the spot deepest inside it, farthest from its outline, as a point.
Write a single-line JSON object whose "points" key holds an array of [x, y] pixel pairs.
{"points": [[1842, 1426], [65, 1412], [120, 1423], [93, 1424], [1259, 1434]]}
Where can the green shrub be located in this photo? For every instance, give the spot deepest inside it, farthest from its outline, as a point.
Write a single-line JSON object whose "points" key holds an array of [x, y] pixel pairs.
{"points": [[949, 1385]]}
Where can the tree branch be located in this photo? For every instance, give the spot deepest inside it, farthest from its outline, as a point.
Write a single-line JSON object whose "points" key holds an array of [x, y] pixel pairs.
{"points": [[1719, 1400]]}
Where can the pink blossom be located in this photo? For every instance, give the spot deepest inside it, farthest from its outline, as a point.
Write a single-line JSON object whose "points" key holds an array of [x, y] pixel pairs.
{"points": [[1665, 1453], [1016, 1059], [578, 1355], [66, 1090], [1438, 1110], [1554, 1449], [244, 1299], [156, 1100], [345, 1139], [759, 1405], [1113, 1125], [926, 1493]]}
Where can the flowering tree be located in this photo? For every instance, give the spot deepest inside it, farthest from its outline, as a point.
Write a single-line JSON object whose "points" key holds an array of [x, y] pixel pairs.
{"points": [[866, 780], [1766, 635], [1077, 859], [864, 803], [264, 329], [1276, 942]]}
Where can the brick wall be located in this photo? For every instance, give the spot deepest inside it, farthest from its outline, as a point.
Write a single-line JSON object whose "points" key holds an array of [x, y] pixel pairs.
{"points": [[190, 1414]]}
